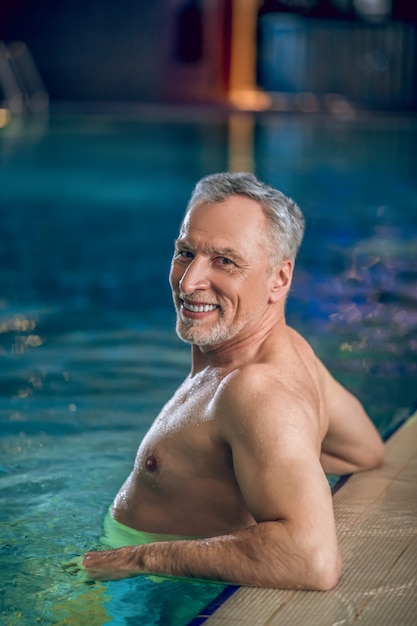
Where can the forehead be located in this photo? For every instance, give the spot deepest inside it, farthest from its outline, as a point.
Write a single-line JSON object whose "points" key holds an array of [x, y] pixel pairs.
{"points": [[238, 223]]}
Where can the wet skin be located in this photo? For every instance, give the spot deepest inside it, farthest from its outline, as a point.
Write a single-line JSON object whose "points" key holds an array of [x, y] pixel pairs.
{"points": [[194, 490], [239, 452]]}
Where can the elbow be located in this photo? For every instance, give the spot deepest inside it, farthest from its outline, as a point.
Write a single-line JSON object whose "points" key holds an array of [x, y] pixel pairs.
{"points": [[378, 457], [327, 579], [325, 571], [370, 455], [375, 456]]}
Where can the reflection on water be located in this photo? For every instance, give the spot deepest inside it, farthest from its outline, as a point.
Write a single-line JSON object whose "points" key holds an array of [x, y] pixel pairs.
{"points": [[370, 321], [355, 288], [87, 348]]}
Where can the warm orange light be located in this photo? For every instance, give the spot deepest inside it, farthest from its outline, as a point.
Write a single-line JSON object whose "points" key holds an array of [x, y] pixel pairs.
{"points": [[4, 117], [250, 100]]}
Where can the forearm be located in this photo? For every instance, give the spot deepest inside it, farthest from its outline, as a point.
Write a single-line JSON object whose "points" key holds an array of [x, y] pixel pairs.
{"points": [[335, 465], [231, 558], [359, 461], [260, 556]]}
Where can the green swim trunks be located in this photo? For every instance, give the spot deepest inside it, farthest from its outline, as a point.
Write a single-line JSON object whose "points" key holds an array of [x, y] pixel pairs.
{"points": [[117, 535]]}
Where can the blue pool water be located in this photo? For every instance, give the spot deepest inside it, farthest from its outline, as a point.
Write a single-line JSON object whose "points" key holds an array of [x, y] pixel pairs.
{"points": [[89, 208]]}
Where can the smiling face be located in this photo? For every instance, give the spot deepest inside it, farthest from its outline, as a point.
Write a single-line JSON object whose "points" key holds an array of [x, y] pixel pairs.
{"points": [[220, 273]]}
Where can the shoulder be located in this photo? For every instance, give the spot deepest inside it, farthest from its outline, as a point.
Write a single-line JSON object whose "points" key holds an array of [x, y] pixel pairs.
{"points": [[251, 385], [256, 402]]}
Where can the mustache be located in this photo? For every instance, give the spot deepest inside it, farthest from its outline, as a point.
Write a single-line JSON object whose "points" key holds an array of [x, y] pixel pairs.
{"points": [[195, 297]]}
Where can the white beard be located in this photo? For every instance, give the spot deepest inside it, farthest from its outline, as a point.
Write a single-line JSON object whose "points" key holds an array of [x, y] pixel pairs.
{"points": [[193, 331]]}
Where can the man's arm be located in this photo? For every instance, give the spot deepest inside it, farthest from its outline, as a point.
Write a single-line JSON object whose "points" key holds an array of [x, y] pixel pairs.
{"points": [[246, 557], [352, 442], [275, 447]]}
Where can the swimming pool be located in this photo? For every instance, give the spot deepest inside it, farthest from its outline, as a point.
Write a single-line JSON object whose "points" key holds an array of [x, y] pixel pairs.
{"points": [[89, 207]]}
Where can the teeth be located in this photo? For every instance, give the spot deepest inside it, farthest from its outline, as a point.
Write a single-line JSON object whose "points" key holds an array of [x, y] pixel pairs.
{"points": [[201, 308]]}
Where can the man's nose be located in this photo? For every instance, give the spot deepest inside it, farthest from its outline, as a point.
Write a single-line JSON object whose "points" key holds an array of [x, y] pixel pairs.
{"points": [[196, 276]]}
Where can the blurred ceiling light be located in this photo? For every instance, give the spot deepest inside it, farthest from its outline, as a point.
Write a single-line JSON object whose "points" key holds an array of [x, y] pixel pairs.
{"points": [[280, 102], [307, 102], [338, 105], [373, 10]]}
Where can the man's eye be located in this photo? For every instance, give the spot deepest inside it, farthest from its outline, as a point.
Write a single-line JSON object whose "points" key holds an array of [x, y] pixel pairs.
{"points": [[223, 260], [184, 255]]}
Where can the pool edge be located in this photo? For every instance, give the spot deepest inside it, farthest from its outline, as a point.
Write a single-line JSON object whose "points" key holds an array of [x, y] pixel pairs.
{"points": [[208, 615]]}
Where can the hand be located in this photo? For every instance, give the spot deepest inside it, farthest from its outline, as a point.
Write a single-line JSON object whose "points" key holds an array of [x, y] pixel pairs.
{"points": [[113, 564]]}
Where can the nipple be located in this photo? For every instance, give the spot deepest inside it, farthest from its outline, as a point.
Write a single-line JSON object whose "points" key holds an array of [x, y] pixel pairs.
{"points": [[151, 463]]}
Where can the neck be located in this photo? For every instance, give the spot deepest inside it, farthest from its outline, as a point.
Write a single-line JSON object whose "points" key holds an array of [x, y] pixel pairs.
{"points": [[243, 348]]}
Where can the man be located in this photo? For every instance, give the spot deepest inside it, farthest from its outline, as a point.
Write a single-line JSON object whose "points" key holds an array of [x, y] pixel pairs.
{"points": [[236, 460]]}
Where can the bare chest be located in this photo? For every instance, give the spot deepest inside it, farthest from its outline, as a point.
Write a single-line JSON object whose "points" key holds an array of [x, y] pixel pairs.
{"points": [[185, 437]]}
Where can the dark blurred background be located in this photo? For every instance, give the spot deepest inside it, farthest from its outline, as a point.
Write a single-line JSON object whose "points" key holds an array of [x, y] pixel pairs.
{"points": [[210, 51]]}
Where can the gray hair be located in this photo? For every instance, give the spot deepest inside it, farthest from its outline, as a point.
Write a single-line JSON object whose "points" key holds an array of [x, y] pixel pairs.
{"points": [[284, 216]]}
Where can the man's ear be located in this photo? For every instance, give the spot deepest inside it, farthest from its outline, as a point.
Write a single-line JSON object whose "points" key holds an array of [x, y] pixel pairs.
{"points": [[281, 278]]}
